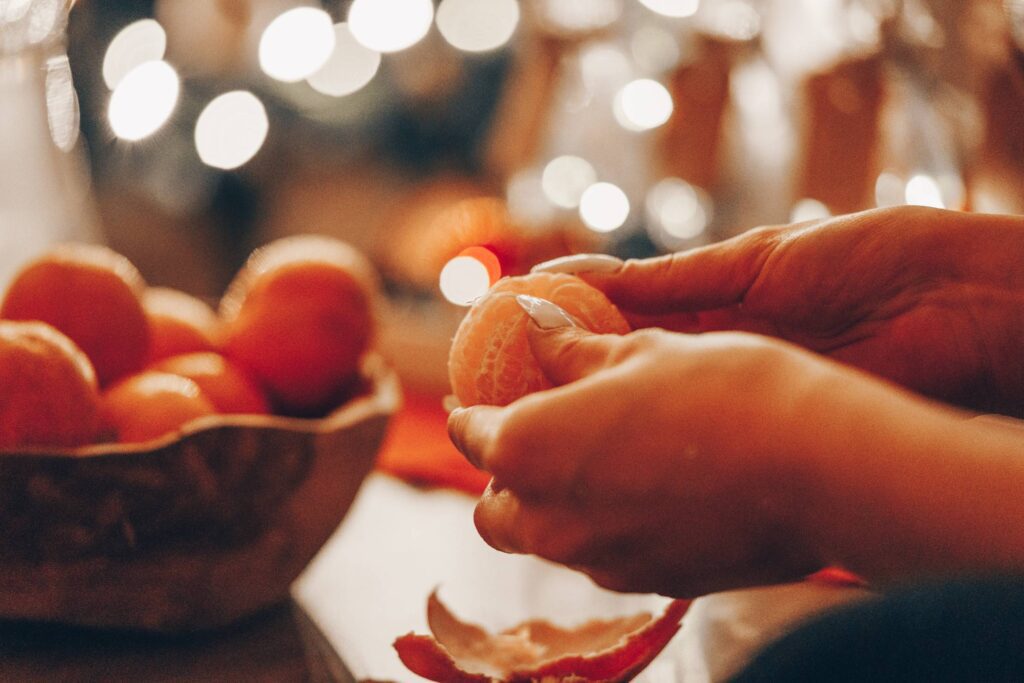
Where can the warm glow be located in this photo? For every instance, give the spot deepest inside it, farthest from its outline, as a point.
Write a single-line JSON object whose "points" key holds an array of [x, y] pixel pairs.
{"points": [[672, 8], [578, 16], [733, 19], [139, 42], [604, 207], [923, 190], [296, 44], [654, 49], [808, 210], [390, 25], [350, 66], [565, 178], [143, 100], [643, 104], [527, 203], [463, 280], [477, 25], [677, 209], [889, 189], [231, 129]]}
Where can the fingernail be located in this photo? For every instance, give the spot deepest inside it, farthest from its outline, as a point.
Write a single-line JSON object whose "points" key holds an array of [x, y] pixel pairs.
{"points": [[580, 263], [450, 403], [547, 315]]}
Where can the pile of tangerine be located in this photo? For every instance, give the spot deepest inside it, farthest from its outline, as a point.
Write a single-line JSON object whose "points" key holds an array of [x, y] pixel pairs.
{"points": [[89, 353]]}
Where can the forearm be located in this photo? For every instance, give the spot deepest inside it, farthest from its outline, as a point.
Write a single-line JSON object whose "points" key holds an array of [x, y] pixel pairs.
{"points": [[905, 489]]}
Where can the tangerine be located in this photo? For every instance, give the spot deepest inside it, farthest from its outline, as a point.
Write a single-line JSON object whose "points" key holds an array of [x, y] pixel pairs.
{"points": [[178, 323], [299, 317], [49, 395], [229, 387], [490, 360], [151, 404], [91, 294]]}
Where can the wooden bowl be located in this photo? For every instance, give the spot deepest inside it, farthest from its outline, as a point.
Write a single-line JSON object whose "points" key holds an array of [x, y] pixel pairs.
{"points": [[189, 532]]}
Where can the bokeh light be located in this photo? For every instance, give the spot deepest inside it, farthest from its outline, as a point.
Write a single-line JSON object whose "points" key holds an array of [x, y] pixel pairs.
{"points": [[604, 207], [889, 189], [732, 19], [672, 8], [139, 42], [808, 209], [527, 203], [654, 49], [642, 104], [463, 280], [390, 25], [143, 100], [923, 190], [477, 25], [577, 16], [296, 44], [350, 66], [231, 130], [565, 178], [677, 211]]}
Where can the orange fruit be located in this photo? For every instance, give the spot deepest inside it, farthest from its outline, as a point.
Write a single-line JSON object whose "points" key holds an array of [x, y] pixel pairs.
{"points": [[490, 361], [48, 394], [91, 294], [178, 323], [225, 384], [151, 404], [299, 316]]}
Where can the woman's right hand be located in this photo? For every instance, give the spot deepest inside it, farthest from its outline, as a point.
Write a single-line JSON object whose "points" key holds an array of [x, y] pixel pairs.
{"points": [[933, 300]]}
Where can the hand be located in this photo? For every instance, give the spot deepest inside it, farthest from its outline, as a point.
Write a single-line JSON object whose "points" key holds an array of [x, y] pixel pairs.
{"points": [[672, 463], [933, 300]]}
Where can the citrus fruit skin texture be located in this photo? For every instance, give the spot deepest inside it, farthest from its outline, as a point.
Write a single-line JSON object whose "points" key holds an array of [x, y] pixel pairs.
{"points": [[151, 404], [92, 295], [178, 323], [490, 360], [299, 317], [231, 390], [48, 391]]}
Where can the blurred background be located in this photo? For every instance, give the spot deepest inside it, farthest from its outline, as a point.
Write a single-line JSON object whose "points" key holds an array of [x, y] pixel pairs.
{"points": [[460, 140]]}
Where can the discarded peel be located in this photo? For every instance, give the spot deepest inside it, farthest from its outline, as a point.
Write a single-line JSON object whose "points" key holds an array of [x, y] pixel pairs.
{"points": [[599, 650], [490, 360]]}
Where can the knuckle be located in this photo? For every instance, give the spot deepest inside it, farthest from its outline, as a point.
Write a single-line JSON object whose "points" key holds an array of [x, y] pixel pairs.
{"points": [[506, 451]]}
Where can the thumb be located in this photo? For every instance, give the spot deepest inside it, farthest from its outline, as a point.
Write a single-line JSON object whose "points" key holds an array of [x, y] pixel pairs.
{"points": [[565, 350]]}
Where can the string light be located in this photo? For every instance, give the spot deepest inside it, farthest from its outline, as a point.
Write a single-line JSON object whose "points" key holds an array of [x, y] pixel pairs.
{"points": [[390, 25], [672, 8], [231, 130], [463, 280], [350, 66], [476, 26], [923, 190], [137, 43], [565, 178], [143, 100], [604, 207], [296, 44], [642, 104], [676, 210], [808, 209]]}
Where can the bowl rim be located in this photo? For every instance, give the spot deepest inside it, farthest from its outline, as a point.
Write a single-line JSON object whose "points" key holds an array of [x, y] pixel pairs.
{"points": [[383, 399]]}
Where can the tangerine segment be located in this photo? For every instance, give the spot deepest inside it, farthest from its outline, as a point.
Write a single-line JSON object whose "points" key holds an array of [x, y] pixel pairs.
{"points": [[299, 316], [49, 395], [178, 323], [229, 387], [490, 360], [92, 295], [151, 404]]}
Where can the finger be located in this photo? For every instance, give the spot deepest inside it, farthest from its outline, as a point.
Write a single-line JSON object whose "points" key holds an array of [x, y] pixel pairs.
{"points": [[714, 276], [566, 354], [473, 430]]}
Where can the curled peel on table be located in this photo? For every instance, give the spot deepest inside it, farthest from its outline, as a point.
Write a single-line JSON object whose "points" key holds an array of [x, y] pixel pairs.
{"points": [[599, 650]]}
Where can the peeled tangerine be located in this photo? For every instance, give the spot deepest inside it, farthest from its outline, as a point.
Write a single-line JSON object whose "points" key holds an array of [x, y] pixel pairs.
{"points": [[490, 360]]}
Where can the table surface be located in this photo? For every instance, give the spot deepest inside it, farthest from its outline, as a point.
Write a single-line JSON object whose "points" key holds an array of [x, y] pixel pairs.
{"points": [[368, 585]]}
